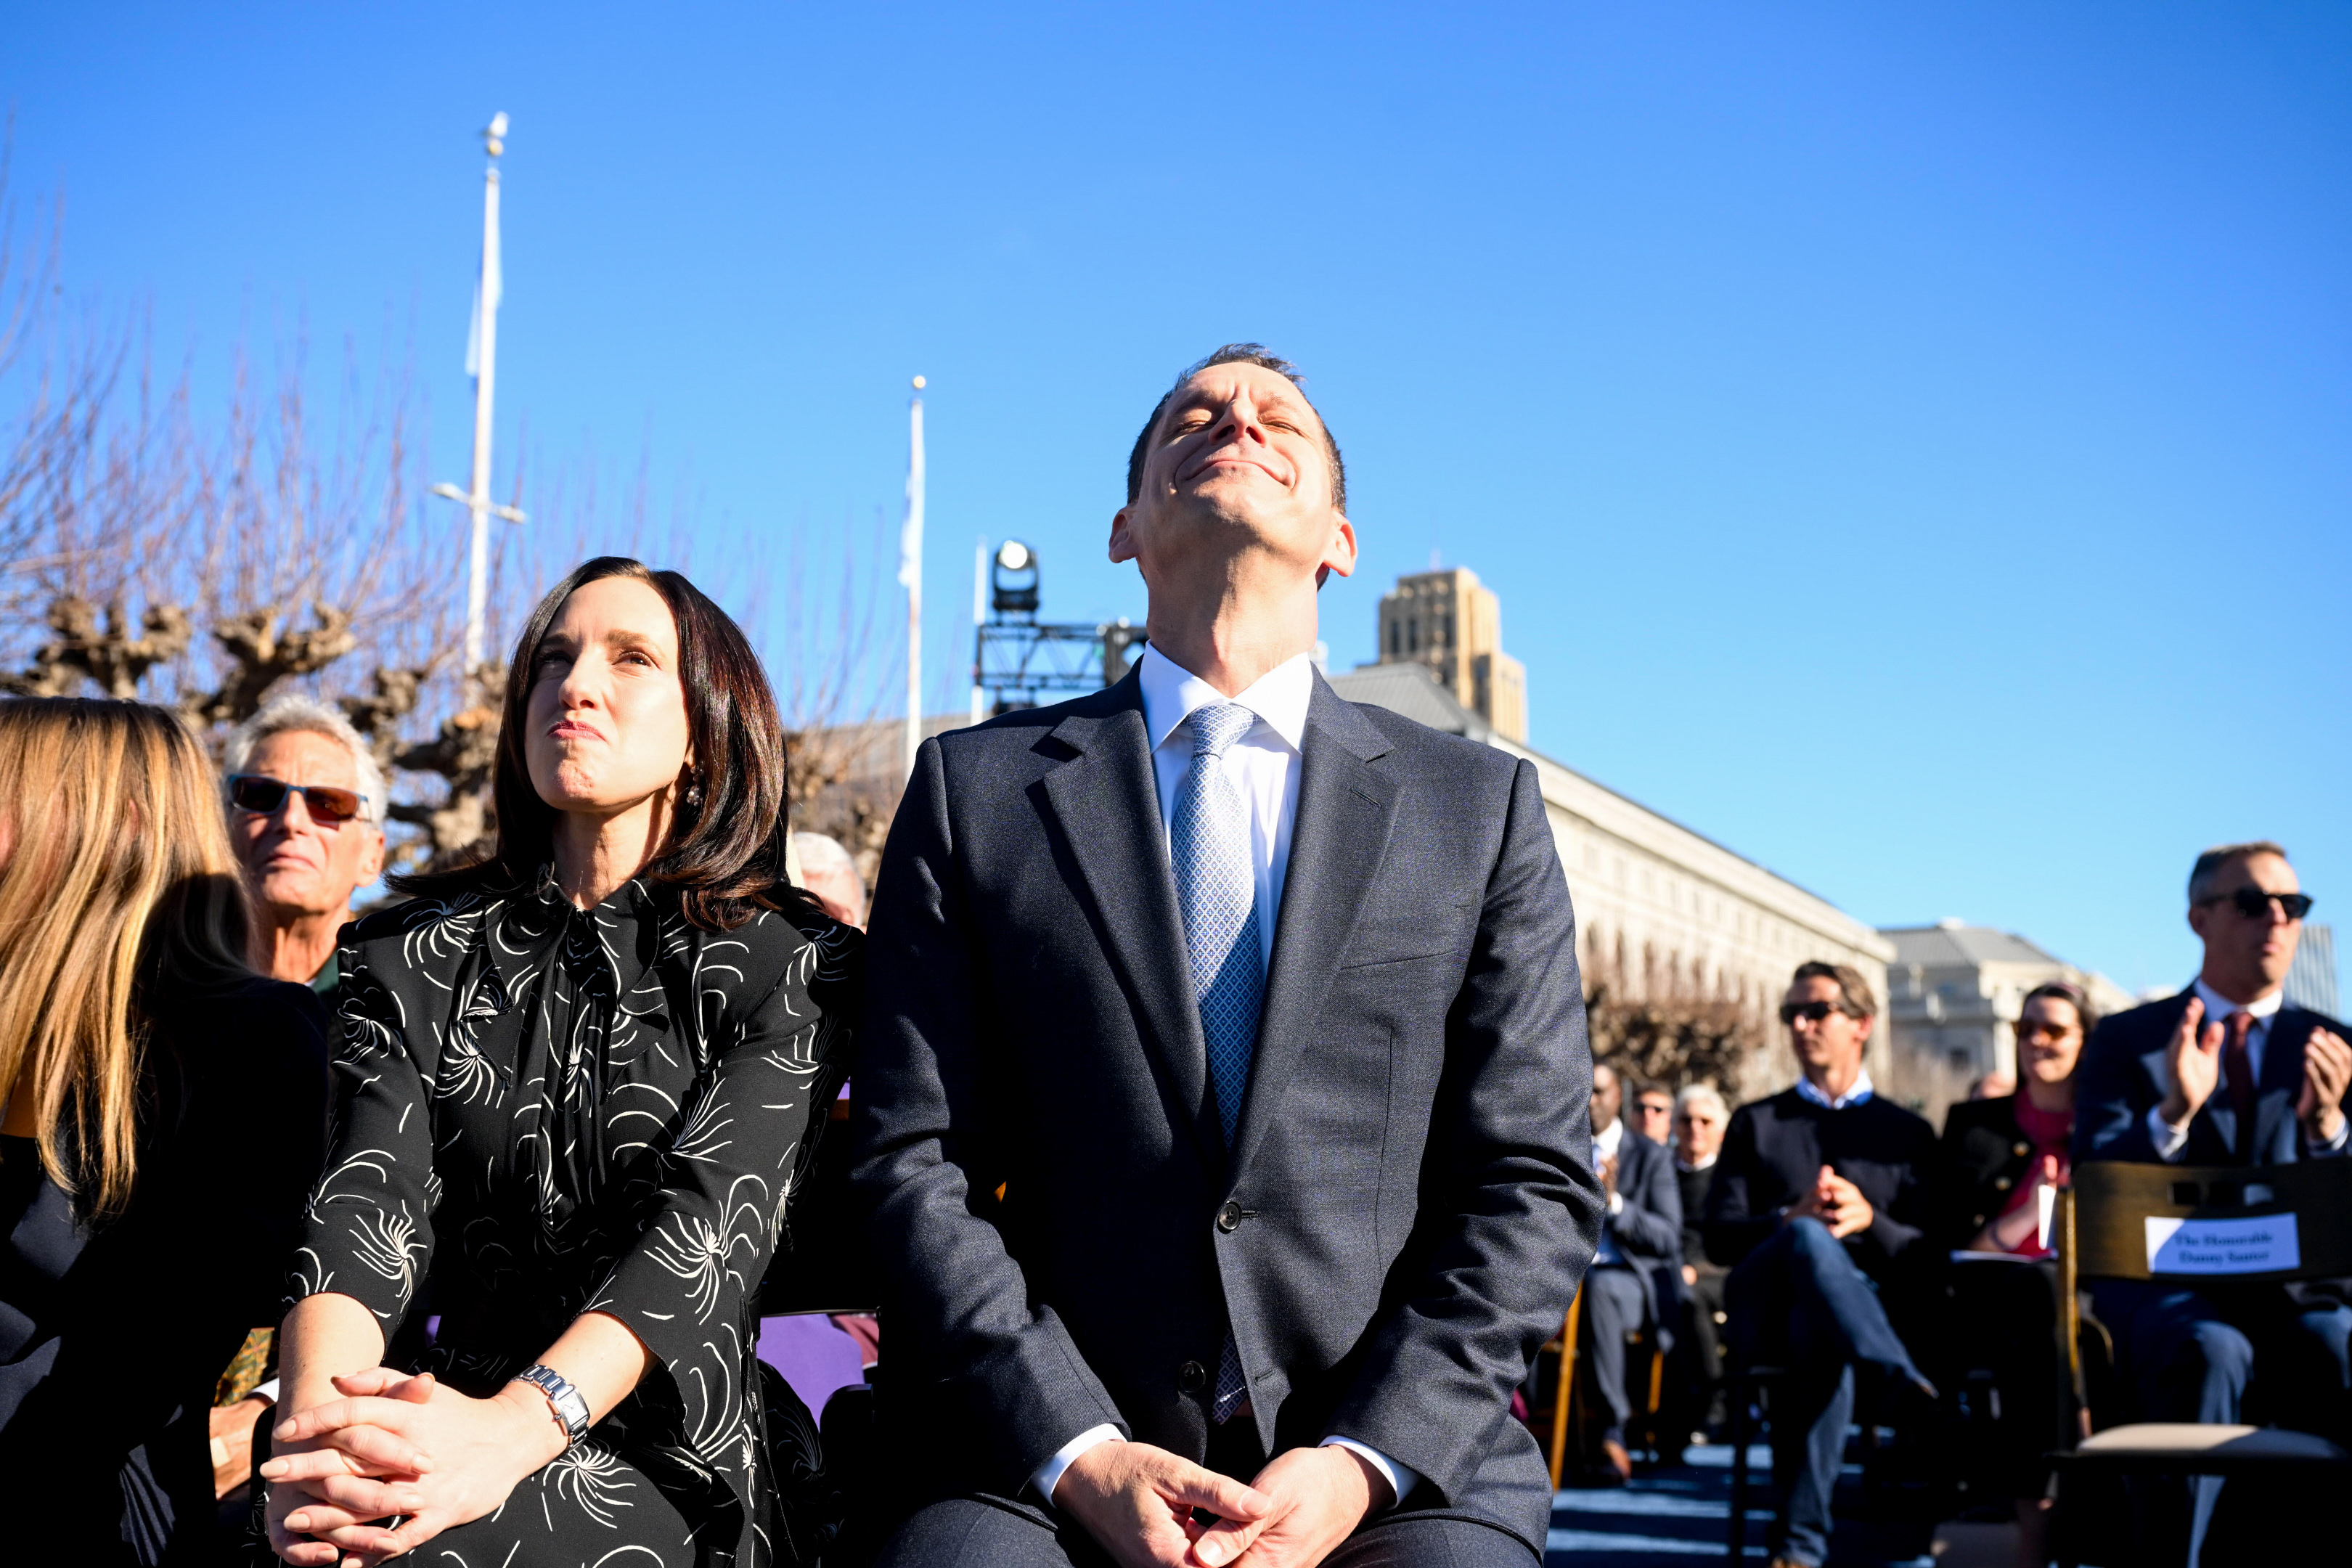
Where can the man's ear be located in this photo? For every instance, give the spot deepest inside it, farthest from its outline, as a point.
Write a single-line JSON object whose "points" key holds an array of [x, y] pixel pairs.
{"points": [[371, 859], [2197, 915], [1122, 535], [1339, 551], [1864, 1027]]}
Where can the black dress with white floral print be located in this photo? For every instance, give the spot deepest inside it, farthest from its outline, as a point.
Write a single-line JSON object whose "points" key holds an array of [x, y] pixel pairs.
{"points": [[544, 1111]]}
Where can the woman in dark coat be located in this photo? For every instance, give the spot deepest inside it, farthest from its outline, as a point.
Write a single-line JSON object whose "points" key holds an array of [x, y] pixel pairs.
{"points": [[575, 1090], [2004, 1159], [165, 1109]]}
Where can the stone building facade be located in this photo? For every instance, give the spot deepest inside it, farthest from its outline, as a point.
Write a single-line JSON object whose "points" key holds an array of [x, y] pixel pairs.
{"points": [[1664, 915], [1956, 991]]}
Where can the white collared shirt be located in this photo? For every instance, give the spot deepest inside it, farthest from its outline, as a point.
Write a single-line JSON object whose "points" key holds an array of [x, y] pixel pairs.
{"points": [[1263, 767], [1861, 1091], [2170, 1140], [1263, 764]]}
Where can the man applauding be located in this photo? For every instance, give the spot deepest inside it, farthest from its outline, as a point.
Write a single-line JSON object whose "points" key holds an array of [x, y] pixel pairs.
{"points": [[1222, 1107], [2225, 1074]]}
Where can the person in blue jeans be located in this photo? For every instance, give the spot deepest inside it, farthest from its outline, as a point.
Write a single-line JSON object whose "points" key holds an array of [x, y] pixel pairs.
{"points": [[1820, 1208]]}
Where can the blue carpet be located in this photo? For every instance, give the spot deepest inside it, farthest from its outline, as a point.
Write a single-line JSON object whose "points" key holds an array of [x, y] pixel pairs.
{"points": [[1673, 1515]]}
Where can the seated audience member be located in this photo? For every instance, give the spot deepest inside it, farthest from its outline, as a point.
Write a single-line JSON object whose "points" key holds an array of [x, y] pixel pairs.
{"points": [[2001, 1156], [306, 807], [2224, 1074], [830, 874], [1642, 1233], [1699, 1120], [165, 1114], [1653, 1113], [1820, 1202]]}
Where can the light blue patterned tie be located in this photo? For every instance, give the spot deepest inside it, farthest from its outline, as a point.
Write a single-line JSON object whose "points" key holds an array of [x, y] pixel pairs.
{"points": [[1216, 891]]}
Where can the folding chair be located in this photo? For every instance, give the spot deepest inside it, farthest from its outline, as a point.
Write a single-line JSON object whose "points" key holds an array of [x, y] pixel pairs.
{"points": [[2268, 1223]]}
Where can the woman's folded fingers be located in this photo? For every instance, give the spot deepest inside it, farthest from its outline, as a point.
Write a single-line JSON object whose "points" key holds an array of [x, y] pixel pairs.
{"points": [[379, 1450], [367, 1500]]}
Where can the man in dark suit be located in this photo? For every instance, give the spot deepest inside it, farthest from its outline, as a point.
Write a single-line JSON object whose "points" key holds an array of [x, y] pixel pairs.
{"points": [[2225, 1074], [1222, 1103], [1819, 1204], [1641, 1236]]}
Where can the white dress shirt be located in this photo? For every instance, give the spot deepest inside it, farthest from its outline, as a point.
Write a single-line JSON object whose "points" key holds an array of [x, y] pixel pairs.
{"points": [[1263, 767], [1861, 1091], [2170, 1140]]}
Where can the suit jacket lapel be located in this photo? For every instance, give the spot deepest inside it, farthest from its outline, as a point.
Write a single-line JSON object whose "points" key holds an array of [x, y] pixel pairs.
{"points": [[1336, 844], [1108, 807]]}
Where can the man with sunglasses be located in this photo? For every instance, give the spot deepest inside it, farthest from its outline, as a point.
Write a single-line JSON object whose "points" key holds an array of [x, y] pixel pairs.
{"points": [[306, 815], [1818, 1207], [2226, 1073], [305, 801]]}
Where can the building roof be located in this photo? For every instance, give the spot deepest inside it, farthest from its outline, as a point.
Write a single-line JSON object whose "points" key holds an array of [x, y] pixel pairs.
{"points": [[1413, 690], [1949, 944]]}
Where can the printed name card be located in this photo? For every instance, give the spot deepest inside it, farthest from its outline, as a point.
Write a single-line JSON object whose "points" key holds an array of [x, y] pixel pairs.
{"points": [[2262, 1244]]}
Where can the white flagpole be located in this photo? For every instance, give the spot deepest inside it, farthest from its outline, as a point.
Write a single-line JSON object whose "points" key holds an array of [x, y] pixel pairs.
{"points": [[979, 618], [910, 573], [482, 363]]}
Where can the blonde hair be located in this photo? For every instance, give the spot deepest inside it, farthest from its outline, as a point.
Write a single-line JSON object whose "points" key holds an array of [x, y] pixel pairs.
{"points": [[117, 885]]}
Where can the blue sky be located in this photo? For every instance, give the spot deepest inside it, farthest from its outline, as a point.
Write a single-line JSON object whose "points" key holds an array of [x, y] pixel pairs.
{"points": [[1911, 443]]}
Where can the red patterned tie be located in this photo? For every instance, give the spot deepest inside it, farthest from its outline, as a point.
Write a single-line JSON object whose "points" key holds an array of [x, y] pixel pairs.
{"points": [[2238, 1067]]}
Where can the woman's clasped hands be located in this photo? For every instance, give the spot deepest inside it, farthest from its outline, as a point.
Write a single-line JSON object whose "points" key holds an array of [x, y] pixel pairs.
{"points": [[396, 1460]]}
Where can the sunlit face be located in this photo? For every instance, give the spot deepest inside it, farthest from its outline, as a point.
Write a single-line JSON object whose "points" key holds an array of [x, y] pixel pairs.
{"points": [[1235, 464], [606, 714], [1608, 1098], [2049, 1040], [1653, 1114], [2255, 951], [1831, 1043], [1699, 1132], [295, 864]]}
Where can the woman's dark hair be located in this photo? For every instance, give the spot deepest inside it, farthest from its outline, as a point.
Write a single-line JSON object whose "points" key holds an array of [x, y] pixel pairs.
{"points": [[2065, 991], [725, 851]]}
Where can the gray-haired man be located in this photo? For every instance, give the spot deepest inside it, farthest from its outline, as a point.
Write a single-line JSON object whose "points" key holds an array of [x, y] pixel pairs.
{"points": [[306, 813]]}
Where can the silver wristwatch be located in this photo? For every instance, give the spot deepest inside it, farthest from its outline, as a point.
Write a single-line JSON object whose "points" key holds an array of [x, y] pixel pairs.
{"points": [[571, 1410]]}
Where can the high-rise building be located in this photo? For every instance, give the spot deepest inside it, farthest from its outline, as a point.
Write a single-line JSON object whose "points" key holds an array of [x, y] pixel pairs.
{"points": [[2311, 982], [1450, 622]]}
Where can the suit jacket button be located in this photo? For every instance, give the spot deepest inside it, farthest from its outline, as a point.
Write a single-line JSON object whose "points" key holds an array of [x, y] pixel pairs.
{"points": [[2021, 1149], [2003, 1182], [1229, 1218], [1192, 1378]]}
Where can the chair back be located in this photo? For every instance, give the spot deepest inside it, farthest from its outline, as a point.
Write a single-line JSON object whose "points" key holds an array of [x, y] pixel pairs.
{"points": [[2255, 1224], [2212, 1222]]}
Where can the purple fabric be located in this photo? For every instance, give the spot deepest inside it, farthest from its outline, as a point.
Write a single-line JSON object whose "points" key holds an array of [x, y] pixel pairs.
{"points": [[814, 1356]]}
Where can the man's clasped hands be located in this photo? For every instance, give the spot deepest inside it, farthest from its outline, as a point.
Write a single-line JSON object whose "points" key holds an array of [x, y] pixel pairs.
{"points": [[394, 1461]]}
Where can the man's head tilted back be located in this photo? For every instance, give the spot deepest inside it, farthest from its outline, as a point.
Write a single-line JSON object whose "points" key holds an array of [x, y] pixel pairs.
{"points": [[1234, 487]]}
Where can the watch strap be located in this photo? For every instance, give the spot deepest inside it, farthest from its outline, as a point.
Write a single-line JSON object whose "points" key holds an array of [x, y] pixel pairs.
{"points": [[571, 1409]]}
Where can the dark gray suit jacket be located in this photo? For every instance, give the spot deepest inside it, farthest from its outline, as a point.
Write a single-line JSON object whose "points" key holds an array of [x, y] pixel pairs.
{"points": [[1649, 1229], [1061, 1234]]}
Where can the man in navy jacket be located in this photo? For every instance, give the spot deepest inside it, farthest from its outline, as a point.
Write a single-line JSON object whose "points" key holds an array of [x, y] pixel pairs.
{"points": [[2225, 1074], [1631, 1283]]}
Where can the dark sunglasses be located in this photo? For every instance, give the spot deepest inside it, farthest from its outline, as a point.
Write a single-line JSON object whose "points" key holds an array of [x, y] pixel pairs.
{"points": [[1812, 1012], [261, 794], [2255, 904]]}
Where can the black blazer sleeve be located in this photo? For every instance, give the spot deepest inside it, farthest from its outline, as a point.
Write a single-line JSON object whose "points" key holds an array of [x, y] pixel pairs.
{"points": [[2111, 1090], [1650, 1227], [925, 1170], [1510, 1210]]}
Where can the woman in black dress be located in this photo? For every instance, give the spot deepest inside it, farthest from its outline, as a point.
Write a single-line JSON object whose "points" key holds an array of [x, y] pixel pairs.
{"points": [[165, 1110], [573, 1094]]}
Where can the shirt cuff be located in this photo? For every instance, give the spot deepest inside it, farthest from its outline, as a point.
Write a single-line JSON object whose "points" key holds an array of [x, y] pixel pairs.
{"points": [[1401, 1478], [1616, 1203], [1049, 1474], [2169, 1140], [2335, 1145]]}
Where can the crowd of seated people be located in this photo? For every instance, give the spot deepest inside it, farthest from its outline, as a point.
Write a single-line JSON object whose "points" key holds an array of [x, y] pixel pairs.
{"points": [[1829, 1234]]}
